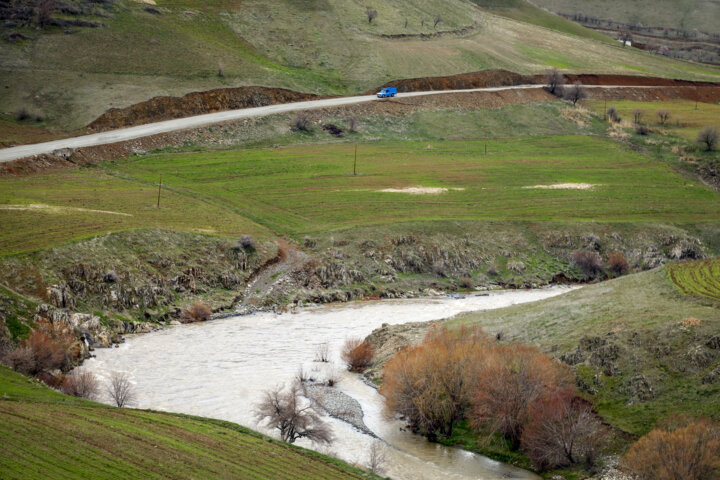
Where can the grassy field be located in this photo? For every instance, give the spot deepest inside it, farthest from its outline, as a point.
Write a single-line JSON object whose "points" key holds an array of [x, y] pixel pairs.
{"points": [[310, 189], [323, 47], [701, 277], [48, 435], [685, 120], [642, 325]]}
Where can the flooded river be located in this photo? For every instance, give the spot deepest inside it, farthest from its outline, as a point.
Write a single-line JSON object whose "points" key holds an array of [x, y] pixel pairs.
{"points": [[220, 369]]}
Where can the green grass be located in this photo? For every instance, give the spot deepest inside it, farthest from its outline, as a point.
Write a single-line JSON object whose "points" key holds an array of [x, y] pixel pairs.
{"points": [[49, 435], [642, 315], [701, 277], [18, 313]]}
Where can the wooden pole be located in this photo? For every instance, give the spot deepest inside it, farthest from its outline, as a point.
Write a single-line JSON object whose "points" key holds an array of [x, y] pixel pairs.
{"points": [[605, 110], [159, 189], [355, 162], [486, 147]]}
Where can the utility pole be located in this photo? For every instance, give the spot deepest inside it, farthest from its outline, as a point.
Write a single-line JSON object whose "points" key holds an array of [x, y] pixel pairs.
{"points": [[355, 162], [159, 189], [485, 147]]}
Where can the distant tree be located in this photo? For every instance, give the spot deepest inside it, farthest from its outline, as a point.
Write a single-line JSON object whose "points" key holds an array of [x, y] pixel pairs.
{"points": [[663, 116], [613, 115], [575, 93], [436, 21], [283, 409], [352, 124], [626, 37], [691, 452], [554, 81], [709, 137], [120, 389], [637, 115], [81, 384], [376, 458], [371, 14]]}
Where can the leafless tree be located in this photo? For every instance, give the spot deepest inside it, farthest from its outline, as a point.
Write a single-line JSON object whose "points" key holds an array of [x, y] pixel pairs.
{"points": [[283, 409], [663, 116], [637, 115], [121, 390], [301, 122], [626, 37], [709, 137], [371, 14], [44, 11], [376, 458], [575, 93], [321, 352], [81, 384], [613, 115], [554, 81], [352, 124], [436, 21]]}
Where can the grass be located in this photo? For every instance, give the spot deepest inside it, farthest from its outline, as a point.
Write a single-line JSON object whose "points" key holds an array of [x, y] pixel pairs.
{"points": [[310, 189], [685, 120], [49, 435], [323, 47], [701, 277], [642, 315]]}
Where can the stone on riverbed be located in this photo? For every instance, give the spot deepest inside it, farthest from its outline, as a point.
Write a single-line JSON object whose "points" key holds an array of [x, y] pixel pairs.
{"points": [[337, 404]]}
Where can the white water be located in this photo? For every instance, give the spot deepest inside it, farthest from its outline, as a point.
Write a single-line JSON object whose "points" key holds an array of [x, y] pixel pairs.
{"points": [[220, 368]]}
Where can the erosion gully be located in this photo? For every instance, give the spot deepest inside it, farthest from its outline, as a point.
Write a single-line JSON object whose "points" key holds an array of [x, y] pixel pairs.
{"points": [[221, 368]]}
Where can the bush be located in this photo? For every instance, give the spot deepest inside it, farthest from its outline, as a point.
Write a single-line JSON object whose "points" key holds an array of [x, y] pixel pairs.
{"points": [[689, 453], [198, 312], [80, 384], [247, 242], [613, 115], [554, 81], [575, 93], [20, 359], [618, 264], [709, 137], [642, 130], [49, 354], [466, 282], [22, 114], [663, 116], [589, 262], [301, 123], [357, 354]]}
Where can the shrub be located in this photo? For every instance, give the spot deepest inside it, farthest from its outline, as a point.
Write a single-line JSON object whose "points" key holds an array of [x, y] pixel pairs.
{"points": [[21, 114], [247, 242], [357, 354], [613, 115], [554, 81], [618, 264], [563, 430], [466, 282], [663, 116], [20, 359], [48, 353], [642, 130], [371, 14], [301, 123], [589, 262], [80, 384], [322, 352], [352, 124], [691, 452], [575, 93], [512, 378], [637, 115], [709, 137], [198, 312]]}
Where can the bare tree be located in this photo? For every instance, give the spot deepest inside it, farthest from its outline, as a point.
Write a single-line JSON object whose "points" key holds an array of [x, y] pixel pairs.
{"points": [[81, 384], [626, 37], [554, 81], [436, 21], [301, 122], [613, 115], [709, 137], [44, 11], [376, 458], [322, 352], [637, 115], [283, 409], [575, 93], [371, 14], [663, 116], [352, 124], [121, 390]]}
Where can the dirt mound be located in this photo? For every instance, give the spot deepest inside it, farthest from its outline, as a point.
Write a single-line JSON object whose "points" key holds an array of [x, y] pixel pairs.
{"points": [[195, 103], [483, 79]]}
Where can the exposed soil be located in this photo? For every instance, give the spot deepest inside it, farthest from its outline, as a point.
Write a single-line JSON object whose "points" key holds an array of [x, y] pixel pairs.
{"points": [[483, 79], [425, 36]]}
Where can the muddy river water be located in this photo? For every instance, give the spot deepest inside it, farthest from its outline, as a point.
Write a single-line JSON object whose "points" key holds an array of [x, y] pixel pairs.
{"points": [[220, 369]]}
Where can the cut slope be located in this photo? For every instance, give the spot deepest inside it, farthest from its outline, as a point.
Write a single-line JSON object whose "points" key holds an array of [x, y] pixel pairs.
{"points": [[48, 435]]}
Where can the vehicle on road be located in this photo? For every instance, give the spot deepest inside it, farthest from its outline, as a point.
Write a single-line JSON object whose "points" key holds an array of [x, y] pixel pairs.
{"points": [[387, 92]]}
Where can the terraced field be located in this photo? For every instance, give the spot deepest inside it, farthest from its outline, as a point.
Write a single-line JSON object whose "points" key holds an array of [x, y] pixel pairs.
{"points": [[45, 434], [700, 277]]}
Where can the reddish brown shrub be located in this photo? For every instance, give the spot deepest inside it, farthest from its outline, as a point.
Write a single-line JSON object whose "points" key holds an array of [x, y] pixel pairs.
{"points": [[80, 384], [688, 453], [512, 378], [49, 353], [431, 384], [618, 264], [198, 312], [466, 282], [563, 430], [357, 354], [20, 359], [589, 262]]}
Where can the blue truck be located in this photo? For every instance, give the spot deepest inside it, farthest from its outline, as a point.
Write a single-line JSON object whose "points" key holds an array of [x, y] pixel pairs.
{"points": [[387, 92]]}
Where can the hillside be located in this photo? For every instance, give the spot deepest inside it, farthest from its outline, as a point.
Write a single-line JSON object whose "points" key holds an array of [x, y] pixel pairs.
{"points": [[175, 47], [49, 435]]}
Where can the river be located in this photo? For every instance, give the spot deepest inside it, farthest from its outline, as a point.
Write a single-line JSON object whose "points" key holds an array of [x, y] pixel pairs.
{"points": [[220, 369]]}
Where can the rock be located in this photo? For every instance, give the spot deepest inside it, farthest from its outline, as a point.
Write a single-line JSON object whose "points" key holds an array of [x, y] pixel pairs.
{"points": [[699, 357], [59, 296], [111, 277], [572, 358], [712, 377], [714, 342], [640, 388], [337, 404]]}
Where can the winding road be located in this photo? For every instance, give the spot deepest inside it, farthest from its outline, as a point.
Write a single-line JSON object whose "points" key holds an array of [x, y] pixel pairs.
{"points": [[124, 134]]}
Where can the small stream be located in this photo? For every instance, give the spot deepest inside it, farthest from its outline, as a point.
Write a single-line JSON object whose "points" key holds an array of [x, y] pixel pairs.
{"points": [[220, 368]]}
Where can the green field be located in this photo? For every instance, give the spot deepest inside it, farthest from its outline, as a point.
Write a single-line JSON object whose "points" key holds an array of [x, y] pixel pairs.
{"points": [[310, 188], [638, 320], [49, 435], [701, 277], [323, 47]]}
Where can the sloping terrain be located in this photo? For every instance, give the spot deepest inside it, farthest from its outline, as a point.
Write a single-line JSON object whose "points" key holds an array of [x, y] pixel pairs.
{"points": [[317, 47], [46, 435]]}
